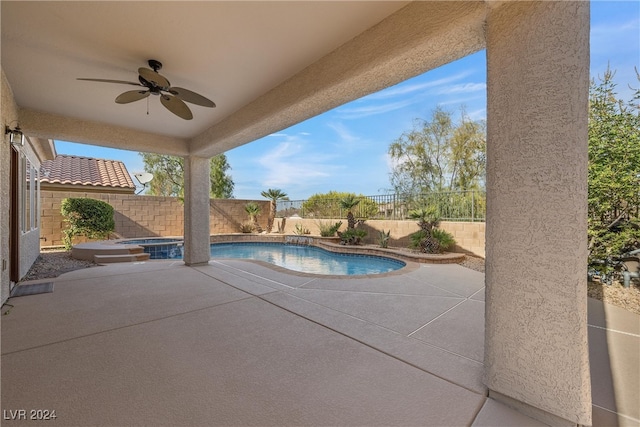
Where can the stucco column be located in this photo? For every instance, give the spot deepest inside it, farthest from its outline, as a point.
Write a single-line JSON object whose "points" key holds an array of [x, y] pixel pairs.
{"points": [[196, 210], [536, 354]]}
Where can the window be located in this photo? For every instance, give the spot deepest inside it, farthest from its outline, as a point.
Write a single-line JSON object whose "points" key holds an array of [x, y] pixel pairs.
{"points": [[29, 195]]}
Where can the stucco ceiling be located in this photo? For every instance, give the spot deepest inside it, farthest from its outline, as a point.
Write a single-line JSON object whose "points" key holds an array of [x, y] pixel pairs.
{"points": [[240, 54]]}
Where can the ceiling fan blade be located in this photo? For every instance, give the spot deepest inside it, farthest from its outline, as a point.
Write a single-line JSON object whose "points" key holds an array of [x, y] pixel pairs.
{"points": [[192, 97], [132, 95], [153, 77], [176, 106], [111, 81]]}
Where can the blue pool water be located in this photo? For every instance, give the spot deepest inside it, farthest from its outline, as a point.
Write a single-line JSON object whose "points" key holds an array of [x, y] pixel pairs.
{"points": [[159, 248], [307, 259]]}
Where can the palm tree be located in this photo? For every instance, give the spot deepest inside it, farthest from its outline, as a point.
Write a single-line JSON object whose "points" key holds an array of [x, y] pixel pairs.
{"points": [[424, 239], [273, 194], [348, 203], [427, 218], [253, 210]]}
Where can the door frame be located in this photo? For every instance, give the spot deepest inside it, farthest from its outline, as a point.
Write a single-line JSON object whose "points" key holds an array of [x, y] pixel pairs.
{"points": [[14, 217]]}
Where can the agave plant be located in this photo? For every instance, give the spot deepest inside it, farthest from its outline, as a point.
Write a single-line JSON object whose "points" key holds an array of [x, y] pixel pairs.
{"points": [[348, 203], [253, 210], [383, 238], [300, 230], [273, 194], [328, 229]]}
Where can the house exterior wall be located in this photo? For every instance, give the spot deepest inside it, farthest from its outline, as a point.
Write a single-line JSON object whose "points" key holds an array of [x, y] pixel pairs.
{"points": [[8, 114], [29, 240], [143, 216]]}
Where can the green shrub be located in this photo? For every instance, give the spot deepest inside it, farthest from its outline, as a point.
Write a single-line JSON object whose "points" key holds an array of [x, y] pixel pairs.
{"points": [[416, 238], [434, 242], [86, 217], [327, 205], [352, 236], [327, 229], [444, 238]]}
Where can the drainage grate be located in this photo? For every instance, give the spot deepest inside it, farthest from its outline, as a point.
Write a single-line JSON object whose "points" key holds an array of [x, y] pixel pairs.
{"points": [[34, 289]]}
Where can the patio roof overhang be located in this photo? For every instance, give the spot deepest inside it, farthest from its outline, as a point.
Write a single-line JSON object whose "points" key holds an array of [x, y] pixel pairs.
{"points": [[267, 65]]}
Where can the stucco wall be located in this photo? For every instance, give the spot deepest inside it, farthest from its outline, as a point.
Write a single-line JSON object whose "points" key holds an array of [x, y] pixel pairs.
{"points": [[536, 348], [29, 242], [8, 113], [143, 216], [469, 236]]}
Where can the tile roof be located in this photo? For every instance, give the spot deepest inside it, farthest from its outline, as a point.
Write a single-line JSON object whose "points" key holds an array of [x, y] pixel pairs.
{"points": [[86, 171]]}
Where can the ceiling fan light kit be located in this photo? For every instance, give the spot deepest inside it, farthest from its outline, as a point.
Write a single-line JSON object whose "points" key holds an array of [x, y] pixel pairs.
{"points": [[173, 98]]}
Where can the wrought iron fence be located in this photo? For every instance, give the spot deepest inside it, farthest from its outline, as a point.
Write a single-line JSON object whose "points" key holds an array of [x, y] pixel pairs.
{"points": [[450, 206]]}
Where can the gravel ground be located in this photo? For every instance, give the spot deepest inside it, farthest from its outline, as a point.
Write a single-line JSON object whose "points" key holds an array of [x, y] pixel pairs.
{"points": [[51, 264]]}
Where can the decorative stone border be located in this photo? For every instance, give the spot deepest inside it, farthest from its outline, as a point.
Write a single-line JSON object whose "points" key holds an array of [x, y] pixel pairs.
{"points": [[331, 244]]}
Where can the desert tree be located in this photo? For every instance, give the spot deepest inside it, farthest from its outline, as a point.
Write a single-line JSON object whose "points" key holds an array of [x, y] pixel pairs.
{"points": [[168, 175]]}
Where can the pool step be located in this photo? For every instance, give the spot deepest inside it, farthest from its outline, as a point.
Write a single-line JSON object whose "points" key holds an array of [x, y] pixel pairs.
{"points": [[102, 253], [130, 257]]}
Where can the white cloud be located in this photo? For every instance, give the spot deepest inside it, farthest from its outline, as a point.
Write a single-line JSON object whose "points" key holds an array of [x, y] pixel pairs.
{"points": [[343, 133], [436, 90], [291, 165], [612, 38], [480, 114], [613, 29], [404, 89], [462, 88], [389, 161], [462, 100], [370, 110]]}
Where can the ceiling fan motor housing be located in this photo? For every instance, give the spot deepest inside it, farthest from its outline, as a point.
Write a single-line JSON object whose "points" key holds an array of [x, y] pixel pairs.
{"points": [[155, 65]]}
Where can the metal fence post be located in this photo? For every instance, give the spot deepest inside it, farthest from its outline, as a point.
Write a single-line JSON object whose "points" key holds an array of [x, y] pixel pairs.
{"points": [[473, 206]]}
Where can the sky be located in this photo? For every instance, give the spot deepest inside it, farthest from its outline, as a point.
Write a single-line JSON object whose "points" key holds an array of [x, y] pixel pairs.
{"points": [[345, 149]]}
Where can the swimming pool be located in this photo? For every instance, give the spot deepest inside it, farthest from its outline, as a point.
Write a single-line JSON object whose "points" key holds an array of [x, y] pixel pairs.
{"points": [[307, 259]]}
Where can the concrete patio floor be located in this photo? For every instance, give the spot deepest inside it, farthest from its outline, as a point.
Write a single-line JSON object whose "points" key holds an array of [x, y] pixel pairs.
{"points": [[239, 343]]}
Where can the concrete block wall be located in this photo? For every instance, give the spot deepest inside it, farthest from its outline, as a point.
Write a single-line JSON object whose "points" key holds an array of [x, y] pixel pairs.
{"points": [[228, 215], [470, 236], [143, 216], [152, 216]]}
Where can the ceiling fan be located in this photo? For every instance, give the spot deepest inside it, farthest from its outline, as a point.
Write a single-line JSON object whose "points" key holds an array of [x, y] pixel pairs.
{"points": [[154, 83]]}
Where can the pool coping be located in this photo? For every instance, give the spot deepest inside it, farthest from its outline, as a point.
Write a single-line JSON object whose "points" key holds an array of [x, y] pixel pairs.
{"points": [[408, 267]]}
